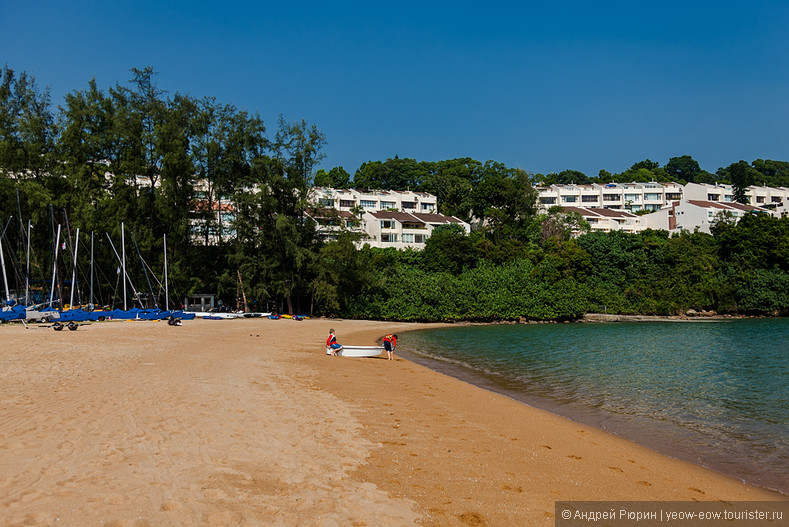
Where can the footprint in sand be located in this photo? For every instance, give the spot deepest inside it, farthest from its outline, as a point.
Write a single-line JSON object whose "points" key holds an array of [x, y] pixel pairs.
{"points": [[617, 469], [472, 518], [644, 483], [572, 456]]}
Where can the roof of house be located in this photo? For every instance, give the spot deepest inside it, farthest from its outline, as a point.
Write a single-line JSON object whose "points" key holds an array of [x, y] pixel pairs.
{"points": [[402, 217], [723, 206], [435, 218], [607, 213]]}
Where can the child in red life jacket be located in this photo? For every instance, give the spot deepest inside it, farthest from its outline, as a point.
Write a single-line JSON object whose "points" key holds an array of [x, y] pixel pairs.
{"points": [[390, 342], [332, 344]]}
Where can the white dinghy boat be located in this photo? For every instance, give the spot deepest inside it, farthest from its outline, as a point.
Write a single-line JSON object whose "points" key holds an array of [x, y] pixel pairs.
{"points": [[358, 351]]}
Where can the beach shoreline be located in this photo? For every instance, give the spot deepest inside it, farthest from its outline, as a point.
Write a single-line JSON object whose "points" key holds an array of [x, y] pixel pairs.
{"points": [[250, 422], [654, 434]]}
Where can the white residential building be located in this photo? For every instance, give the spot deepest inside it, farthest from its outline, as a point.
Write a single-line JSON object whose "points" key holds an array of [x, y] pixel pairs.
{"points": [[692, 215], [632, 197], [403, 230], [765, 197], [373, 200], [383, 218], [608, 220]]}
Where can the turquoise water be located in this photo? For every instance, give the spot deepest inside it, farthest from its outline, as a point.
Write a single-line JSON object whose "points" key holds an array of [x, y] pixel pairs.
{"points": [[714, 392]]}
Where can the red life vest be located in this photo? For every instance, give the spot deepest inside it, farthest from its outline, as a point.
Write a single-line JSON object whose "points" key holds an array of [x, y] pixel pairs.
{"points": [[391, 338], [331, 340]]}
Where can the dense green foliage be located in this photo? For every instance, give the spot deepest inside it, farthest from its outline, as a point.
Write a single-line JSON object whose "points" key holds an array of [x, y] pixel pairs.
{"points": [[170, 165]]}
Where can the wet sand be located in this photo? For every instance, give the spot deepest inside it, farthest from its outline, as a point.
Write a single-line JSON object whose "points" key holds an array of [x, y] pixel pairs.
{"points": [[248, 422]]}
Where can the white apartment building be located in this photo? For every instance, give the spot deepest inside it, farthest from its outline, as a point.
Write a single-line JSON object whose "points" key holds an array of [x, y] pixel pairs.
{"points": [[373, 200], [765, 197], [692, 215], [608, 220], [632, 197], [384, 218], [402, 230]]}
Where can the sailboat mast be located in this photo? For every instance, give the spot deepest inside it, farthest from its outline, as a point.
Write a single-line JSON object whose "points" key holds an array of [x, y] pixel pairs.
{"points": [[2, 263], [123, 263], [90, 299], [74, 272], [166, 289], [54, 267], [27, 268]]}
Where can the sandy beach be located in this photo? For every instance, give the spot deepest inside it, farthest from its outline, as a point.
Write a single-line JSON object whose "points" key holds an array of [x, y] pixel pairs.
{"points": [[248, 422]]}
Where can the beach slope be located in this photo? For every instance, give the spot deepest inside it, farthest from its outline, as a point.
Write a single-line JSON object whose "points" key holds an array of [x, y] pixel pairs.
{"points": [[249, 422]]}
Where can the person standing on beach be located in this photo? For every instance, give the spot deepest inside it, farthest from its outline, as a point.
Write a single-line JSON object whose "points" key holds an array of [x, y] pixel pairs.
{"points": [[390, 342], [331, 343]]}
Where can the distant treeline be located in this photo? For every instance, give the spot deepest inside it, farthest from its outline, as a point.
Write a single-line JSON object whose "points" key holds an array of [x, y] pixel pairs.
{"points": [[167, 164]]}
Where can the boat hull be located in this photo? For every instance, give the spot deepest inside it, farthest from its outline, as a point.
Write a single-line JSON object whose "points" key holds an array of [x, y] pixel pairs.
{"points": [[358, 351]]}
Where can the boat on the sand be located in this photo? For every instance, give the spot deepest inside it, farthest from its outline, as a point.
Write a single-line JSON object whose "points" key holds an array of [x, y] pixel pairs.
{"points": [[357, 351]]}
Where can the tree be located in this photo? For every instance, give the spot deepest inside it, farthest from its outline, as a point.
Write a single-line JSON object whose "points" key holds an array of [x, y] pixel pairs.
{"points": [[27, 126], [562, 225], [772, 173], [503, 201], [392, 174], [449, 250], [337, 177], [452, 182], [298, 146], [225, 143], [683, 168], [566, 177], [742, 176]]}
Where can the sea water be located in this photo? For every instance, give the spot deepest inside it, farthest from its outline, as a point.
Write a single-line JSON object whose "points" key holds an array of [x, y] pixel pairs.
{"points": [[712, 392]]}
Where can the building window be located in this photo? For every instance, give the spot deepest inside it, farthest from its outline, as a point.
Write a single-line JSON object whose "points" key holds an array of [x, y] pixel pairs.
{"points": [[347, 203], [419, 238], [569, 199], [633, 197], [387, 205], [673, 196], [367, 204], [590, 199], [409, 204], [428, 207], [548, 201], [612, 197], [387, 224], [759, 199], [713, 197], [326, 202], [407, 238], [389, 238]]}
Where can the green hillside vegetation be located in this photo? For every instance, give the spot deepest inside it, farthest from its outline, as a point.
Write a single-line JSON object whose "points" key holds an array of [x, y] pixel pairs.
{"points": [[133, 154]]}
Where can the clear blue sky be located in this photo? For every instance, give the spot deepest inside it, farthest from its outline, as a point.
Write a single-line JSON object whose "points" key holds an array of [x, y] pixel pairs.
{"points": [[544, 86]]}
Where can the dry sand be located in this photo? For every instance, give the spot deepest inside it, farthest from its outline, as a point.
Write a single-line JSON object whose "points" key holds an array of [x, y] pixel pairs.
{"points": [[248, 422]]}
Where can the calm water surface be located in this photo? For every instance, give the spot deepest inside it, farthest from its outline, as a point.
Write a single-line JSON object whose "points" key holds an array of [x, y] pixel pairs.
{"points": [[712, 392]]}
